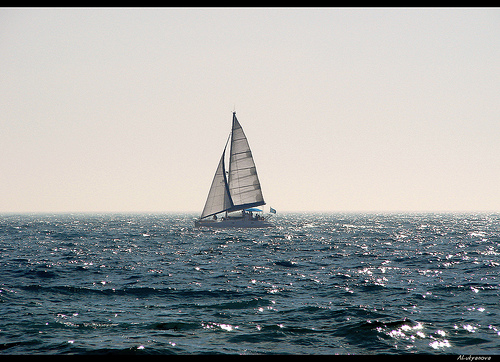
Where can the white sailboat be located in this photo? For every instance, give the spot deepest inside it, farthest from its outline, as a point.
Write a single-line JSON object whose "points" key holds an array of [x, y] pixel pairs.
{"points": [[235, 194]]}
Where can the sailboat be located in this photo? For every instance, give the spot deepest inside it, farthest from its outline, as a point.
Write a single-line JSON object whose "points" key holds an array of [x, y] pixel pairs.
{"points": [[235, 195]]}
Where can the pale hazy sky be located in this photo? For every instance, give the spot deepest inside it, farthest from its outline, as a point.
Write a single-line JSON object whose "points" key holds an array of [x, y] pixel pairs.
{"points": [[345, 109]]}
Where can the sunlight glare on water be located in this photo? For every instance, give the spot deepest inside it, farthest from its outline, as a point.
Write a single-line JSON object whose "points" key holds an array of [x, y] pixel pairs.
{"points": [[314, 284]]}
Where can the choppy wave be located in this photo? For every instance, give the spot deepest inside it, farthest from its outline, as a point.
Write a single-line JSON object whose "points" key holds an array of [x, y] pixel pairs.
{"points": [[314, 284]]}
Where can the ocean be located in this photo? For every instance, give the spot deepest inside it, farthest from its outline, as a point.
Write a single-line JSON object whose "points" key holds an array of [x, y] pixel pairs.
{"points": [[316, 283]]}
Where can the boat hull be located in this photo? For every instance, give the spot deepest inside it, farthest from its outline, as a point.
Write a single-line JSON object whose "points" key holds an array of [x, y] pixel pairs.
{"points": [[233, 223]]}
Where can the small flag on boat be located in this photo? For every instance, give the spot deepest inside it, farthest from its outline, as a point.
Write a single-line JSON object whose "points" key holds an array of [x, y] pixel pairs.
{"points": [[272, 211]]}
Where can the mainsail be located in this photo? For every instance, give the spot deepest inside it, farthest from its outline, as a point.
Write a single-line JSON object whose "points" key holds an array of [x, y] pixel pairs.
{"points": [[244, 185], [242, 189]]}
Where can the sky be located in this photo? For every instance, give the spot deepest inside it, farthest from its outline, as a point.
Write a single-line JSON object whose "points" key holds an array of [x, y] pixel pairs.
{"points": [[345, 109]]}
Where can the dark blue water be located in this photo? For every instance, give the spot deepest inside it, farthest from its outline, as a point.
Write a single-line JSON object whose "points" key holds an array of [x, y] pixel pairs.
{"points": [[316, 283]]}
